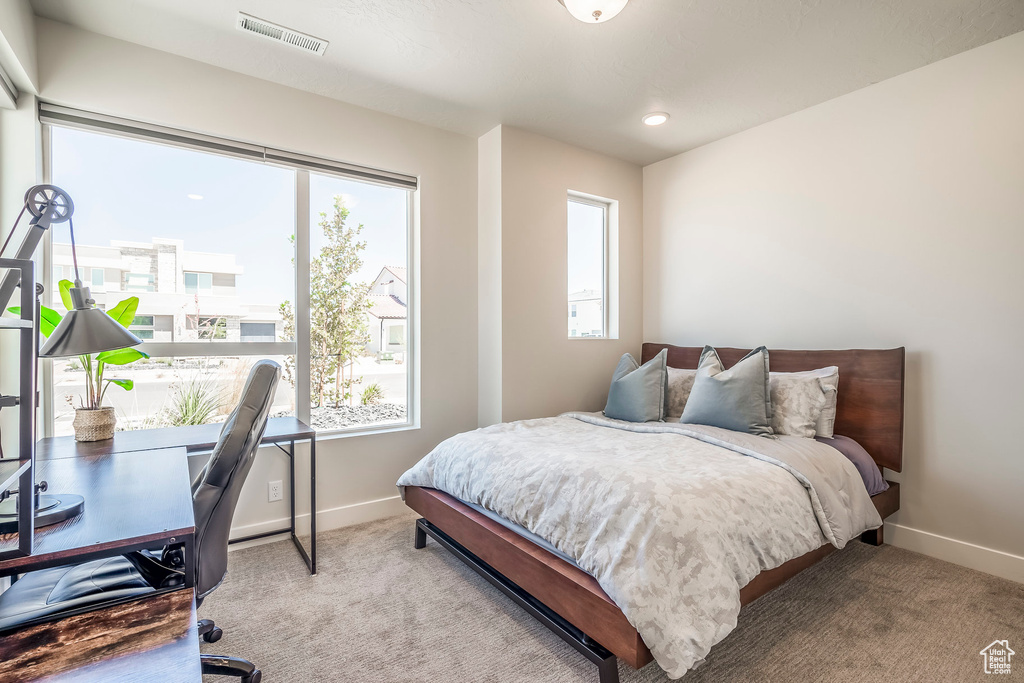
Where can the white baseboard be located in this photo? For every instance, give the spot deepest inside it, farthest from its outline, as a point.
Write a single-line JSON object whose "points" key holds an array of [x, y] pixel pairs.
{"points": [[995, 562], [333, 518]]}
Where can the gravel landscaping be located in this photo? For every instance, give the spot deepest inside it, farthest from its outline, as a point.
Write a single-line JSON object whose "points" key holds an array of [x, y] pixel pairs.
{"points": [[350, 416]]}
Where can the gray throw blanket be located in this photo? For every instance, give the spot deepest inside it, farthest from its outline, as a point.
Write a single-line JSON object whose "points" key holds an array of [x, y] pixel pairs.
{"points": [[672, 520]]}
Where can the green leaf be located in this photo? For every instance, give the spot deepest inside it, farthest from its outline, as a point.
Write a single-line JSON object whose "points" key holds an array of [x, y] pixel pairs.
{"points": [[121, 356], [125, 384], [65, 293], [124, 312], [48, 319]]}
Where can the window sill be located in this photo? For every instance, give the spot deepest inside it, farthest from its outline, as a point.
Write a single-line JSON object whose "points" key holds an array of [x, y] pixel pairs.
{"points": [[368, 430]]}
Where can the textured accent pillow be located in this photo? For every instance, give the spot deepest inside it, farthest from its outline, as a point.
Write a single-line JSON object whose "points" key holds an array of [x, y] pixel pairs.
{"points": [[738, 398], [680, 382], [797, 401], [637, 392], [829, 381]]}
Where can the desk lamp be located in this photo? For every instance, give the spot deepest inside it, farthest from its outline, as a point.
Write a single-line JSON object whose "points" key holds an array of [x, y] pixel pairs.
{"points": [[83, 330]]}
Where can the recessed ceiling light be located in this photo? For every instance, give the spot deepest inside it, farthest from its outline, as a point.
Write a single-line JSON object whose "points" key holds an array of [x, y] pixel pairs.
{"points": [[593, 11], [195, 196], [656, 118]]}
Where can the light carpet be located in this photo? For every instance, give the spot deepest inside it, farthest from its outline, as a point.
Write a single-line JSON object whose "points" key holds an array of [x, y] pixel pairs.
{"points": [[380, 611]]}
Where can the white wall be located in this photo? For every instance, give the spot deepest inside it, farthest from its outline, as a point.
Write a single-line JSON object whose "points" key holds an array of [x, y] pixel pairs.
{"points": [[489, 276], [543, 372], [893, 216], [100, 74], [18, 43], [19, 144]]}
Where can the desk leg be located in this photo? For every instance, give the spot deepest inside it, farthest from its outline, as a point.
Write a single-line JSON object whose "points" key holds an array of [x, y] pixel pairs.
{"points": [[291, 479], [189, 554], [312, 504], [310, 557]]}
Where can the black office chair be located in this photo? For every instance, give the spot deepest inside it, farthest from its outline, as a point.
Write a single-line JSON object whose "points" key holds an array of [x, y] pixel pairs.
{"points": [[214, 495]]}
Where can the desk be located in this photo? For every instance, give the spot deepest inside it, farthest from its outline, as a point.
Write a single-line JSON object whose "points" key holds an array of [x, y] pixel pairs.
{"points": [[152, 638], [196, 439], [133, 501]]}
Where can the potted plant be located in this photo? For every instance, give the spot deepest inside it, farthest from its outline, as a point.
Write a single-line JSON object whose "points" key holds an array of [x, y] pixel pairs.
{"points": [[93, 420]]}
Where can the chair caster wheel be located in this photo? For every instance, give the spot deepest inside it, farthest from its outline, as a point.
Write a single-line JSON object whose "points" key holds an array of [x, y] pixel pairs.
{"points": [[214, 635], [255, 677]]}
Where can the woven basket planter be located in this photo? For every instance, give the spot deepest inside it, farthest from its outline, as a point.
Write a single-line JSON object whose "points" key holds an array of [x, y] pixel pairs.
{"points": [[94, 425]]}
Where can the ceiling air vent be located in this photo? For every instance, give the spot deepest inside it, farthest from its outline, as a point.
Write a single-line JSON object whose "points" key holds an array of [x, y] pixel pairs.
{"points": [[280, 34]]}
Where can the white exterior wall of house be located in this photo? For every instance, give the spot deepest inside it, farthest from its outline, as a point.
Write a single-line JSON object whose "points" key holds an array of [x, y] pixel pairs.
{"points": [[387, 331], [164, 297], [586, 314]]}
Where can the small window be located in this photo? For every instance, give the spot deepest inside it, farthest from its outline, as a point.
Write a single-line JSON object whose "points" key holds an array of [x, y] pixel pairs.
{"points": [[139, 282], [258, 332], [97, 277], [396, 335], [196, 283], [143, 321], [587, 267], [143, 334]]}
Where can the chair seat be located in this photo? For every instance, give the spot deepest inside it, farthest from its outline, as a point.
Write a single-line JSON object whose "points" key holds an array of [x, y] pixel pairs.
{"points": [[50, 591]]}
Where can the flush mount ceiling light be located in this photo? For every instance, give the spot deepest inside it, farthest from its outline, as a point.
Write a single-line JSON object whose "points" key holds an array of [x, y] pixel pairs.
{"points": [[655, 118], [593, 11]]}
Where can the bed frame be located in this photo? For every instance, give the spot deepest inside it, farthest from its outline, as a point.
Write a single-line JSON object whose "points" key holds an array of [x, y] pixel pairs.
{"points": [[572, 604]]}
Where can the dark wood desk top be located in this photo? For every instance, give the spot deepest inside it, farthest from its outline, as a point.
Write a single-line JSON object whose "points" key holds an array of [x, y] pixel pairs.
{"points": [[151, 639], [194, 438], [130, 499]]}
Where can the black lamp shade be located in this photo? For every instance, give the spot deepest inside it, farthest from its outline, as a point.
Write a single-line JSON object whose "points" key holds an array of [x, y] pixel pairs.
{"points": [[85, 329]]}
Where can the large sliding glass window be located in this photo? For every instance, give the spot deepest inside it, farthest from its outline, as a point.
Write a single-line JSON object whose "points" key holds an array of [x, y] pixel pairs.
{"points": [[226, 255]]}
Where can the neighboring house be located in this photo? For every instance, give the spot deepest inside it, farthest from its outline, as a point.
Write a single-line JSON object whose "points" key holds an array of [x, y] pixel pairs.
{"points": [[586, 314], [388, 312], [997, 657], [183, 295]]}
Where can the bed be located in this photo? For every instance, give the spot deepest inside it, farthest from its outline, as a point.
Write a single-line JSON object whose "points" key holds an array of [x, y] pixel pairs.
{"points": [[571, 601]]}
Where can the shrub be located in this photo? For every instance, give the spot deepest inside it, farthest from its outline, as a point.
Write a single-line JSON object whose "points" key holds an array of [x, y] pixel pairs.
{"points": [[194, 402], [372, 394]]}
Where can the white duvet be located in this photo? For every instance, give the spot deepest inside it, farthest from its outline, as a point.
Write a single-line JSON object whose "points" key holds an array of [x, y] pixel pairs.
{"points": [[672, 520]]}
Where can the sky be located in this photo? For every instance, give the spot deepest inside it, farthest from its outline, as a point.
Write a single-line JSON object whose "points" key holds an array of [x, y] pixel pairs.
{"points": [[126, 189], [586, 247]]}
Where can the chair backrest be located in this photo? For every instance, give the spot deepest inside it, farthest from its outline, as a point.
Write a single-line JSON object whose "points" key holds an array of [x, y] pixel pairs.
{"points": [[215, 491]]}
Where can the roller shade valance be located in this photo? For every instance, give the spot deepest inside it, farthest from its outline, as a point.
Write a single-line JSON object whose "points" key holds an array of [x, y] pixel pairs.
{"points": [[75, 118]]}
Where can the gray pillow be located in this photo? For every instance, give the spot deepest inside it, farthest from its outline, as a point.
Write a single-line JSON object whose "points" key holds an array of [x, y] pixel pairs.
{"points": [[637, 393], [738, 398]]}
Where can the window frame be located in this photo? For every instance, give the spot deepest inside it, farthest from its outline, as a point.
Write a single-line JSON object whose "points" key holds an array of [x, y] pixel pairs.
{"points": [[302, 166], [606, 206]]}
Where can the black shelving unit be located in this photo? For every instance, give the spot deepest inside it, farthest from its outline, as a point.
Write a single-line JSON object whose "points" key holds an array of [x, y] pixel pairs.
{"points": [[21, 468]]}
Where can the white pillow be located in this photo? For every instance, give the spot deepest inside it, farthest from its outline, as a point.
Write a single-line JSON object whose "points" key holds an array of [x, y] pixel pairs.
{"points": [[800, 414], [680, 381]]}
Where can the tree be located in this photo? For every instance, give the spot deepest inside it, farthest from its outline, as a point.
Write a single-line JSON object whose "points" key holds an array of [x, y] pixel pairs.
{"points": [[338, 306]]}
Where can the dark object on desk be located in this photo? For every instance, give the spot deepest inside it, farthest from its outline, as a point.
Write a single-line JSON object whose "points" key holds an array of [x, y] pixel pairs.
{"points": [[214, 495]]}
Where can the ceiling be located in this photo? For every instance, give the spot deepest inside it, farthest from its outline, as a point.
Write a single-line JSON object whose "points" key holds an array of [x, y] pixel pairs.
{"points": [[718, 66]]}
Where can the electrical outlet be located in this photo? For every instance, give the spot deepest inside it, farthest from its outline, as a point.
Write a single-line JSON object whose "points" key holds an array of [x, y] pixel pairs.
{"points": [[275, 491]]}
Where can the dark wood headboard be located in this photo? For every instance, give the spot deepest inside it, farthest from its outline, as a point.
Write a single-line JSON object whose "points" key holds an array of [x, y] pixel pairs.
{"points": [[870, 408]]}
